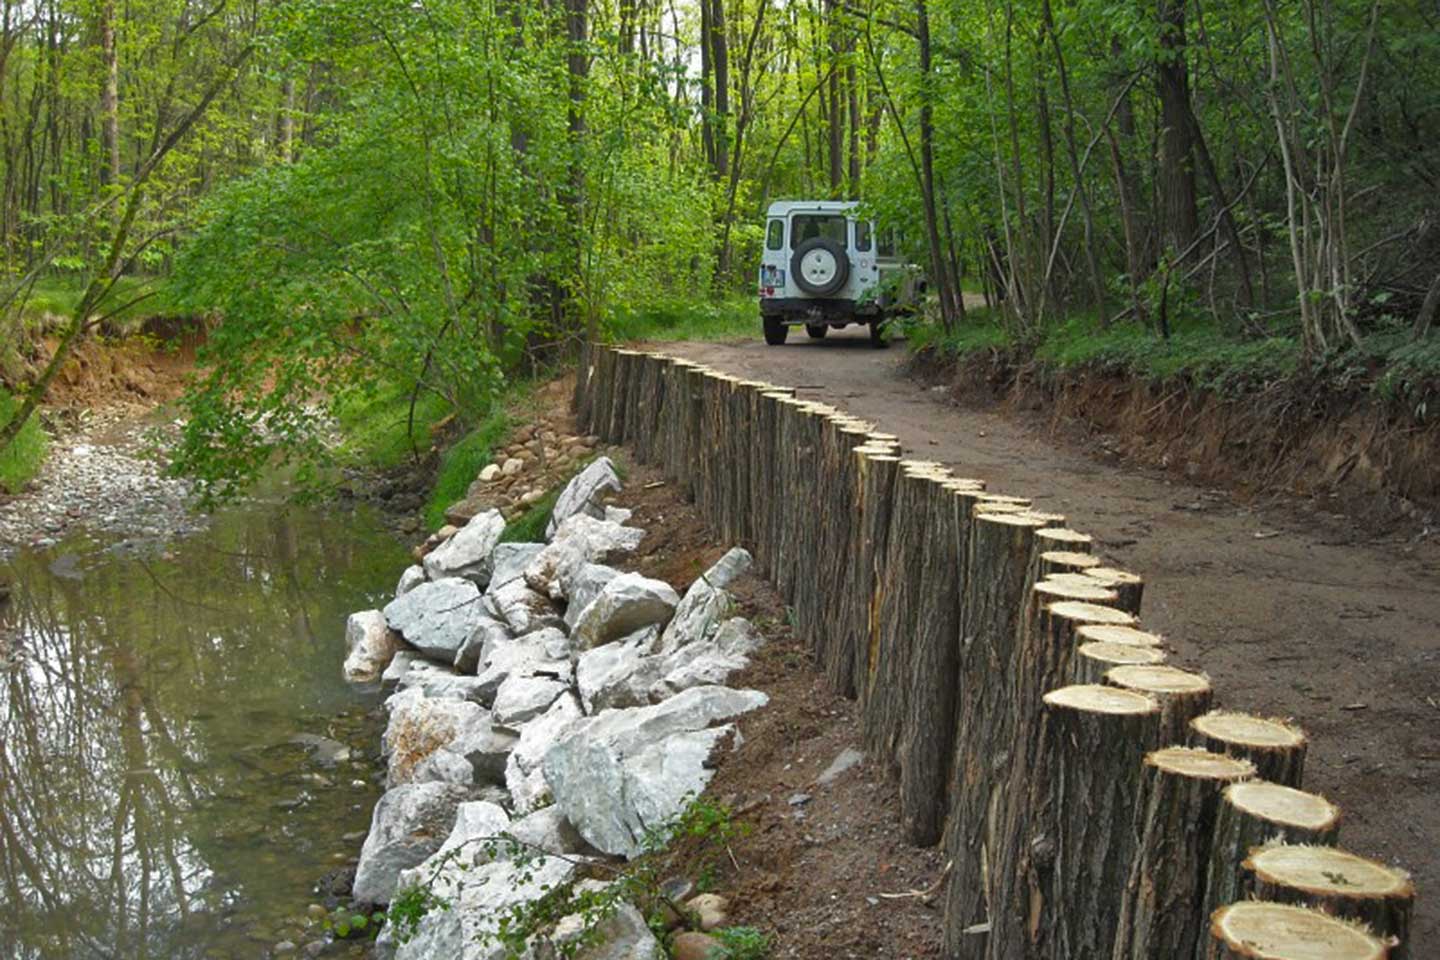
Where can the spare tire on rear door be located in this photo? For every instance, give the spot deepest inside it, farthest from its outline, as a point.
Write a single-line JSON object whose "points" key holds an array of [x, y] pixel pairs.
{"points": [[820, 266]]}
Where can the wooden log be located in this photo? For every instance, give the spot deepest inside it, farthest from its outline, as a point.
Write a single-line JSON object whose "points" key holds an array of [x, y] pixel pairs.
{"points": [[583, 396], [1095, 659], [1083, 795], [1182, 695], [1066, 561], [927, 735], [1060, 537], [1257, 930], [1252, 814], [1277, 748], [604, 393], [1129, 586], [1339, 883], [1160, 911], [1112, 633], [835, 485], [877, 477]]}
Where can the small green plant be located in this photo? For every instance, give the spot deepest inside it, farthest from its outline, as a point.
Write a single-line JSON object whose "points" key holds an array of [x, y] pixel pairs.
{"points": [[21, 460], [460, 464], [350, 925], [742, 943], [530, 526]]}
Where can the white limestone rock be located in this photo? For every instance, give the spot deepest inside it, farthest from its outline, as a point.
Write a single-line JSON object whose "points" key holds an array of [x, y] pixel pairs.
{"points": [[618, 674], [511, 559], [707, 603], [470, 552], [413, 576], [409, 824], [454, 741], [524, 773], [584, 492], [522, 699], [628, 603], [487, 633], [371, 645], [622, 772], [521, 608], [437, 618], [579, 540], [583, 586]]}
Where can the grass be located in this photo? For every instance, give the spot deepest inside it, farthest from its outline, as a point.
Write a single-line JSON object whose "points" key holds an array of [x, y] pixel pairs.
{"points": [[376, 431], [686, 320], [21, 460], [530, 526], [59, 295], [461, 464]]}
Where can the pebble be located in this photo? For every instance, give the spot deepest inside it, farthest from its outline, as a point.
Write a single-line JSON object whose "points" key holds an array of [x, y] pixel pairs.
{"points": [[512, 467], [696, 946], [711, 910], [284, 946]]}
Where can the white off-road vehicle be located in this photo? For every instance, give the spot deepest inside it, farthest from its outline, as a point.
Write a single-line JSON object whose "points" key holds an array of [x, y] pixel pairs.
{"points": [[824, 267]]}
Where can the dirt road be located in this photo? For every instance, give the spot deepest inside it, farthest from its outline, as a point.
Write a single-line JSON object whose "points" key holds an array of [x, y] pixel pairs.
{"points": [[1291, 610]]}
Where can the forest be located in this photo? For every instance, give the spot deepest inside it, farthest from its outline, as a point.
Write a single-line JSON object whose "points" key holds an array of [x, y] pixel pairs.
{"points": [[415, 203]]}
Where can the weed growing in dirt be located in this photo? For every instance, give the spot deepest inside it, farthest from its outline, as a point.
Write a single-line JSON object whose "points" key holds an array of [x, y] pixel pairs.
{"points": [[460, 464], [686, 320], [530, 526], [378, 427], [21, 460], [742, 943]]}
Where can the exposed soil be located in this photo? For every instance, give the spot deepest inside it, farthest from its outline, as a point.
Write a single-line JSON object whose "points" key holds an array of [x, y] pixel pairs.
{"points": [[1293, 607]]}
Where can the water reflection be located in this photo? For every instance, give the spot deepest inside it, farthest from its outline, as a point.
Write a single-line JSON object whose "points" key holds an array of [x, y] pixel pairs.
{"points": [[155, 800]]}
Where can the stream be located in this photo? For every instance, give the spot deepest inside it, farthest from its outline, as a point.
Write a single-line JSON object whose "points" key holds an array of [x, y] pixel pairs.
{"points": [[181, 764]]}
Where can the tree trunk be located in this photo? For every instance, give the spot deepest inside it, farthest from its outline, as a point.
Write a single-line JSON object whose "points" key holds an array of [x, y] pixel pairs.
{"points": [[1182, 695], [287, 120], [1276, 748], [720, 59], [1160, 916], [109, 97], [1288, 931], [1340, 884], [944, 283], [1254, 813], [1082, 799], [1096, 659], [1065, 561], [1177, 168]]}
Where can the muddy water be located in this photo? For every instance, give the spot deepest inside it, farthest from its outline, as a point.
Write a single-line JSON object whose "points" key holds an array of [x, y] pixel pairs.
{"points": [[180, 762]]}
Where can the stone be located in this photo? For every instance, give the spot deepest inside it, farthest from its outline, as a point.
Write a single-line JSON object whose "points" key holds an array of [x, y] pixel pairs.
{"points": [[521, 608], [437, 618], [413, 576], [710, 909], [618, 514], [547, 830], [454, 741], [524, 773], [469, 553], [487, 634], [627, 603], [691, 945], [584, 585], [844, 760], [710, 661], [622, 936], [620, 773], [490, 472], [441, 683], [580, 540], [522, 699], [707, 603], [371, 645], [512, 466], [544, 653], [582, 494], [409, 824], [511, 560], [400, 667], [618, 674], [532, 496]]}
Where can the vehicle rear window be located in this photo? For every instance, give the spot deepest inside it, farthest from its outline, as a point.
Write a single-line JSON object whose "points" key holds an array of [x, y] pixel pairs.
{"points": [[775, 235], [808, 226], [862, 236]]}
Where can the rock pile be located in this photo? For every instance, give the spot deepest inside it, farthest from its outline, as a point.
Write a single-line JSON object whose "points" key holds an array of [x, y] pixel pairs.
{"points": [[541, 694], [537, 458]]}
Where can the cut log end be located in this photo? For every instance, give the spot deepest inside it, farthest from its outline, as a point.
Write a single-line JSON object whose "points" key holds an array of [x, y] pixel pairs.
{"points": [[1256, 930], [1090, 613], [1200, 764], [1328, 872], [1153, 677], [1095, 659], [1094, 698], [1065, 561], [1059, 588], [1001, 513], [1114, 633], [1063, 538], [1245, 730], [1279, 804]]}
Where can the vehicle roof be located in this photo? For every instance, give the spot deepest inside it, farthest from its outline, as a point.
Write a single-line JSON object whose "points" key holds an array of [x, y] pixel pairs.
{"points": [[782, 208]]}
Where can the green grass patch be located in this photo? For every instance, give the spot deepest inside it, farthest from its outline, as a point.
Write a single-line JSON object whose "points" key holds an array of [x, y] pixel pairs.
{"points": [[686, 320], [21, 460], [376, 426], [742, 943], [133, 300], [530, 526], [461, 464]]}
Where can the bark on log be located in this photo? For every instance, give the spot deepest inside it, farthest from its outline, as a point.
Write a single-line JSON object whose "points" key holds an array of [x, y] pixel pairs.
{"points": [[604, 394], [1275, 747], [879, 475], [1256, 930], [1083, 795], [1160, 913], [1095, 659], [852, 604], [1252, 814], [1108, 633], [1129, 586], [1182, 695], [583, 396], [835, 485], [1340, 884], [1066, 561]]}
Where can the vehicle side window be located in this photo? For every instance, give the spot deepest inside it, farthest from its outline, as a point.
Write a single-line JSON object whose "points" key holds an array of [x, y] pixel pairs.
{"points": [[775, 235], [862, 236]]}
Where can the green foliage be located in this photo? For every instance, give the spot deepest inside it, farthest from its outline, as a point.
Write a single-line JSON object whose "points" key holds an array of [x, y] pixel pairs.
{"points": [[377, 429], [460, 465], [685, 319], [530, 526], [742, 943], [21, 460]]}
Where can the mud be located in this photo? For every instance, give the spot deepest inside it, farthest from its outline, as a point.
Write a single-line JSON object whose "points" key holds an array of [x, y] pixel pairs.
{"points": [[1292, 606]]}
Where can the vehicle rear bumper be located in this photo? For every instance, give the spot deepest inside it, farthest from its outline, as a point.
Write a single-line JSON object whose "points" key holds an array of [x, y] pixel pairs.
{"points": [[817, 310]]}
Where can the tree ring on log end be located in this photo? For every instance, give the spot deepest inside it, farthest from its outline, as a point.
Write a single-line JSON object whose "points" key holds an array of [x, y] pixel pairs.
{"points": [[1123, 656], [1053, 521], [1155, 678], [1200, 764], [1245, 730], [1014, 519], [1276, 931], [1111, 633], [1068, 558], [1094, 698], [1110, 576], [1276, 803], [1090, 613], [1067, 537], [1056, 589], [1328, 872]]}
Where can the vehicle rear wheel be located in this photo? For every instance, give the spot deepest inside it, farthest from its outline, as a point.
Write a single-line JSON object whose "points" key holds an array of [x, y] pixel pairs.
{"points": [[775, 331], [817, 331], [877, 333]]}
